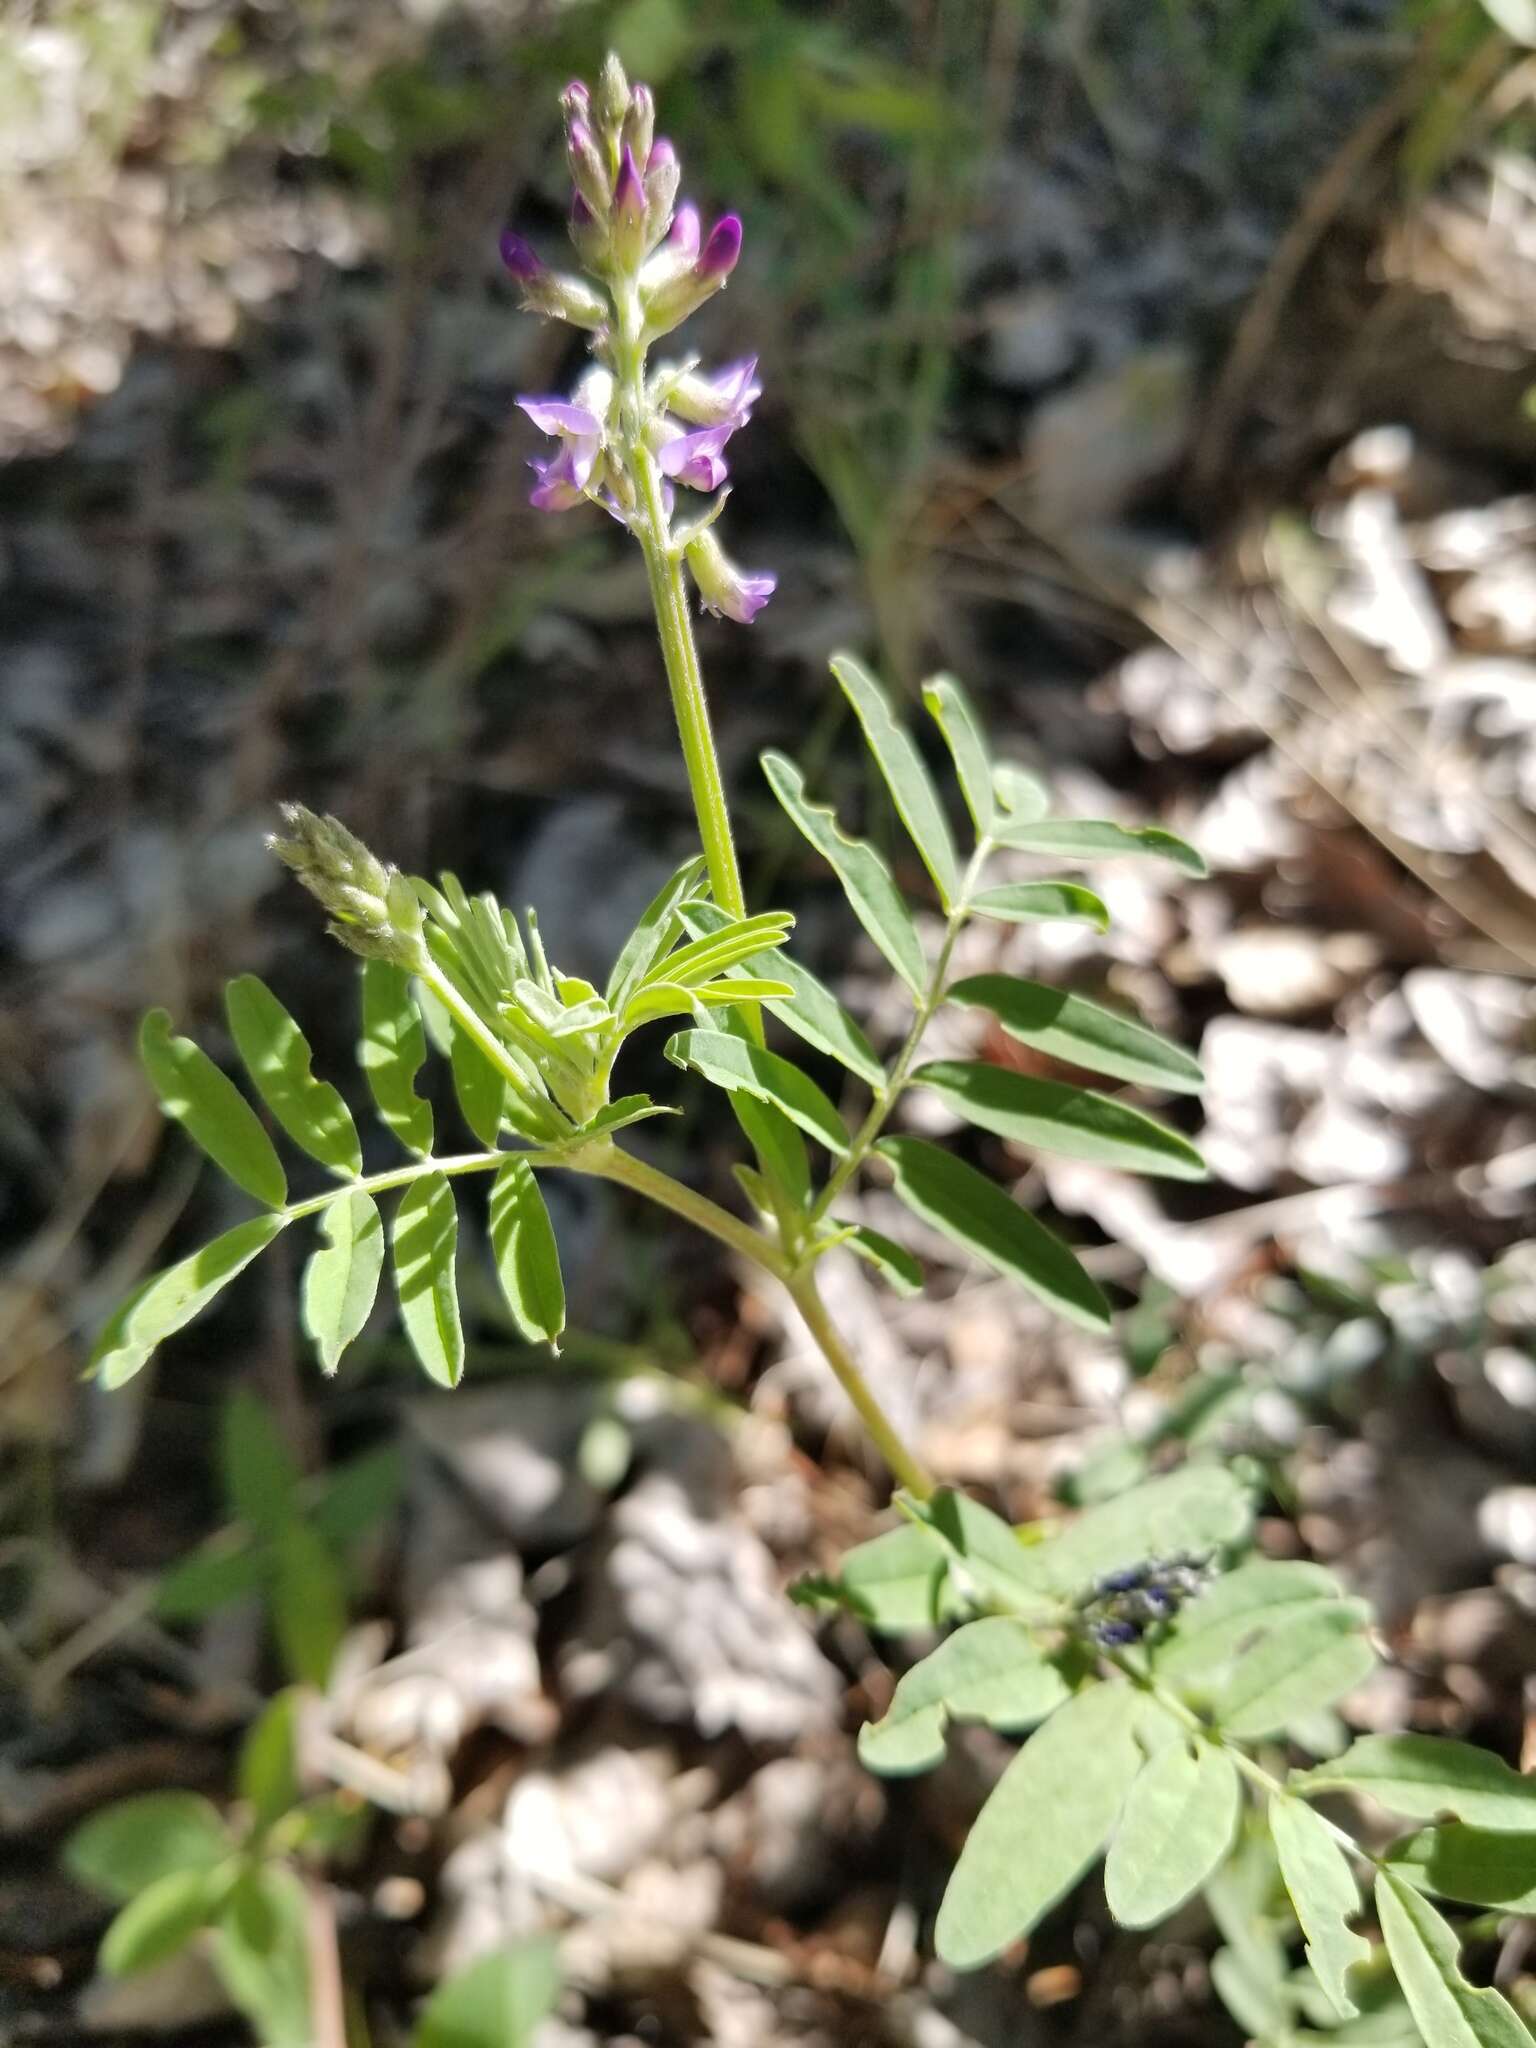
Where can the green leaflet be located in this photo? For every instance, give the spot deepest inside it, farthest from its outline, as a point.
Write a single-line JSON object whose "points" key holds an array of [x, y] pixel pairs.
{"points": [[985, 1553], [1196, 1511], [392, 1052], [1032, 902], [267, 1773], [811, 1010], [1298, 1668], [309, 1604], [342, 1277], [277, 1057], [989, 1671], [425, 1239], [1448, 2011], [951, 711], [893, 1261], [740, 1067], [1021, 797], [1178, 1823], [162, 1919], [1051, 1117], [497, 2002], [1323, 1891], [722, 946], [1478, 1866], [481, 1090], [617, 1116], [1096, 838], [261, 1952], [912, 791], [657, 930], [527, 1257], [1234, 1614], [1424, 1776], [981, 1218], [1070, 1028], [171, 1299], [1045, 1824], [872, 894], [212, 1111], [260, 1473], [894, 1583], [124, 1848]]}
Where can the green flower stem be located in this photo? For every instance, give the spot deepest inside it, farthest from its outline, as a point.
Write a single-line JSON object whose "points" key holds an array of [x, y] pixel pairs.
{"points": [[933, 995], [903, 1465]]}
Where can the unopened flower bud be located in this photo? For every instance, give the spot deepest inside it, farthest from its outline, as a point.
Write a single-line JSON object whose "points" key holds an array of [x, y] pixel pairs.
{"points": [[672, 293], [718, 257], [553, 293], [725, 590], [662, 176], [576, 101], [589, 237], [628, 217], [589, 170], [612, 94], [520, 256], [373, 909], [640, 123]]}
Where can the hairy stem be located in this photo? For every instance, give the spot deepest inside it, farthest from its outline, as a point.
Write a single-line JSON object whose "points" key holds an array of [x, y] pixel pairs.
{"points": [[887, 1440]]}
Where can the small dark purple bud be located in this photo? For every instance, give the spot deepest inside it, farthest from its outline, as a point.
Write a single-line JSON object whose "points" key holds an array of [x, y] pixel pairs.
{"points": [[520, 256], [628, 191], [719, 255]]}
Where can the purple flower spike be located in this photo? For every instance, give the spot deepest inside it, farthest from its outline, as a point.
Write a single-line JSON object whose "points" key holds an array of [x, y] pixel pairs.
{"points": [[718, 257], [628, 191], [696, 459], [520, 256]]}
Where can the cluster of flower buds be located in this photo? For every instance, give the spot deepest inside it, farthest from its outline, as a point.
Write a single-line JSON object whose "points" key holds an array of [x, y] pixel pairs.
{"points": [[1121, 1607], [649, 266], [374, 910]]}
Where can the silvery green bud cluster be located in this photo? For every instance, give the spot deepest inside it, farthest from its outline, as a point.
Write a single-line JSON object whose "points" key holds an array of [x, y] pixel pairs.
{"points": [[374, 910]]}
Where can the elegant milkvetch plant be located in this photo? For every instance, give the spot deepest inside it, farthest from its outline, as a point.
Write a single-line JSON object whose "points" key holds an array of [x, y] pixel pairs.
{"points": [[1166, 1672]]}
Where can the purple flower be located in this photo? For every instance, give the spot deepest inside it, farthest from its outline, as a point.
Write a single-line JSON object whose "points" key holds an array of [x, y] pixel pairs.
{"points": [[729, 395], [520, 256], [563, 482], [696, 459], [717, 258], [628, 190], [725, 590], [683, 241]]}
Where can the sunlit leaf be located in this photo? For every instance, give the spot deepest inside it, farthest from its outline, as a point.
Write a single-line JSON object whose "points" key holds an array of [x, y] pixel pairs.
{"points": [[1035, 902], [211, 1109], [1021, 798], [1478, 1866], [657, 930], [901, 766], [743, 1068], [1085, 1034], [1298, 1668], [392, 1052], [1234, 1614], [1077, 1123], [425, 1240], [875, 900], [968, 1208], [986, 1556], [1178, 1823], [1096, 839], [497, 2002], [342, 1277], [810, 1010], [1323, 1891], [126, 1847], [170, 1300], [161, 1919], [618, 1116], [1044, 1826], [725, 946], [1448, 2011], [893, 1583], [527, 1256], [1197, 1511], [990, 1671], [1427, 1776], [277, 1057], [479, 1087], [951, 711]]}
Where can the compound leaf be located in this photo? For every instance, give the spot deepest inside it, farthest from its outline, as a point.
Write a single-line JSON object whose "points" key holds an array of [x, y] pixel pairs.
{"points": [[212, 1111], [977, 1215], [810, 1010], [278, 1059]]}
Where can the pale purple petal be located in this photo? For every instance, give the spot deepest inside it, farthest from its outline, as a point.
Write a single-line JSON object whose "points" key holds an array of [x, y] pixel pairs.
{"points": [[559, 416], [557, 489], [696, 459], [683, 238]]}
